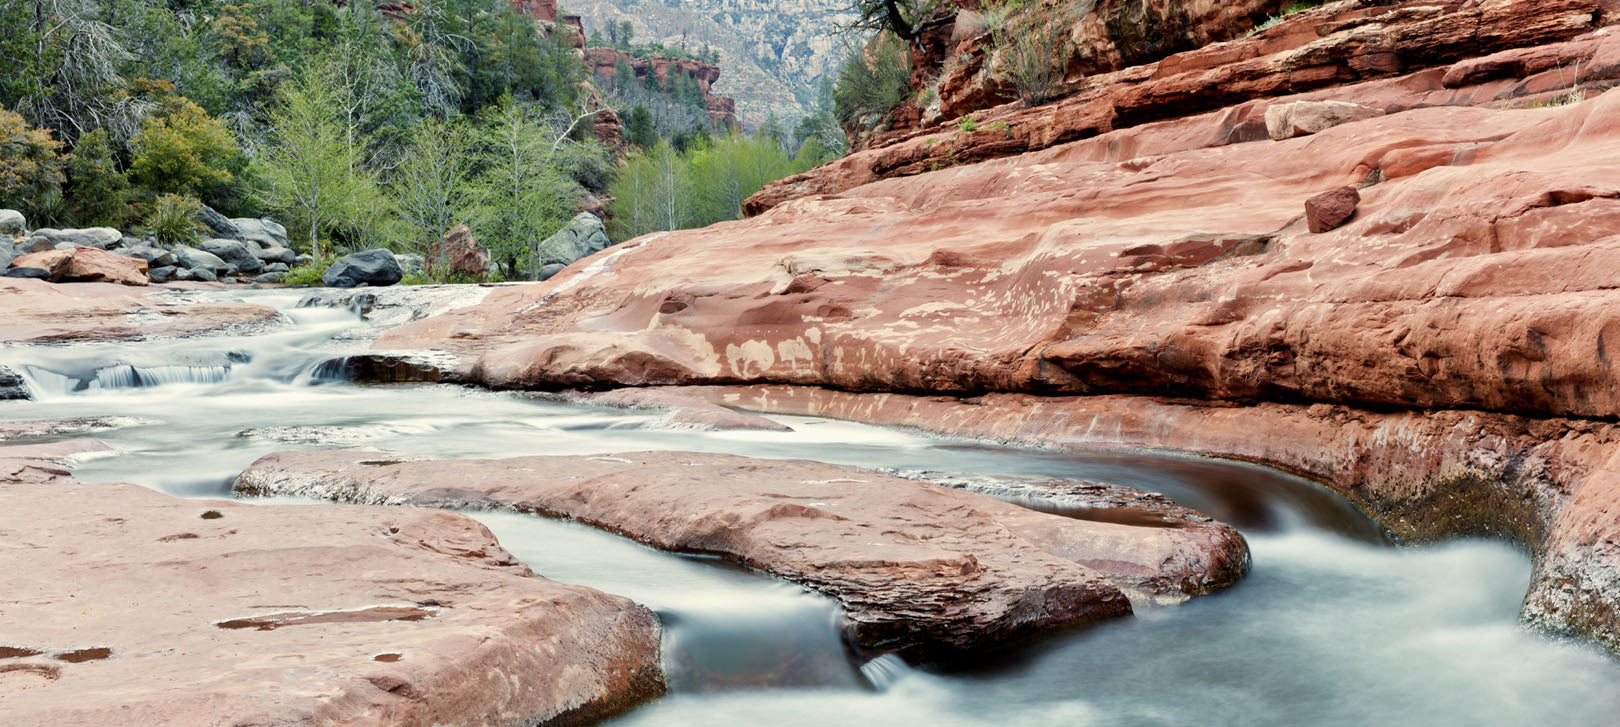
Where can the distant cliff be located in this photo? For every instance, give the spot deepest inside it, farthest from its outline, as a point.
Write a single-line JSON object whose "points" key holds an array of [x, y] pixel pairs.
{"points": [[773, 54], [604, 62]]}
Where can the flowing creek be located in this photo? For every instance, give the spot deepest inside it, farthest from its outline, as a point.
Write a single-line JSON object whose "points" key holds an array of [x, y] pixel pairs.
{"points": [[1334, 626]]}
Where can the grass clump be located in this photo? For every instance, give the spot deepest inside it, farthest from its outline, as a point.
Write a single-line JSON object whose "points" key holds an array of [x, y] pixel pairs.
{"points": [[175, 219], [871, 83]]}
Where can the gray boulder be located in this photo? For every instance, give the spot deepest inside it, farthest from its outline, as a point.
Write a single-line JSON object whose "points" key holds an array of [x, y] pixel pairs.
{"points": [[270, 277], [371, 267], [164, 273], [277, 255], [236, 253], [35, 273], [277, 268], [204, 275], [197, 260], [550, 271], [155, 257], [12, 223], [218, 225], [97, 237], [581, 237], [303, 260], [12, 386], [263, 232], [411, 262], [35, 244], [8, 251]]}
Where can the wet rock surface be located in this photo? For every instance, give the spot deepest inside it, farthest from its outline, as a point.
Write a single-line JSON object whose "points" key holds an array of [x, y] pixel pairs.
{"points": [[84, 265], [40, 312], [920, 568], [378, 616]]}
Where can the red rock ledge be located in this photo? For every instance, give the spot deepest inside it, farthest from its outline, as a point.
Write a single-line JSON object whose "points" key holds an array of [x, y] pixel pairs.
{"points": [[919, 568]]}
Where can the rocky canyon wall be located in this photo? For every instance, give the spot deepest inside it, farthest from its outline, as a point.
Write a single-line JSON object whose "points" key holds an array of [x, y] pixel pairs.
{"points": [[1149, 262]]}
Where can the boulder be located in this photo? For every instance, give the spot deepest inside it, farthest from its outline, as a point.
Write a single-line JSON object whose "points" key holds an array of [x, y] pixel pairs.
{"points": [[100, 238], [85, 265], [28, 273], [411, 263], [8, 251], [199, 260], [12, 223], [273, 277], [460, 254], [35, 244], [277, 268], [12, 386], [371, 267], [303, 260], [921, 568], [204, 275], [236, 253], [429, 622], [164, 274], [1329, 210], [262, 232], [550, 271], [1302, 118], [218, 225], [276, 255], [581, 237], [155, 257]]}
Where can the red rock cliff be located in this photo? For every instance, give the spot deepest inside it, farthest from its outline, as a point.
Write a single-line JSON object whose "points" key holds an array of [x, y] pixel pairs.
{"points": [[604, 63]]}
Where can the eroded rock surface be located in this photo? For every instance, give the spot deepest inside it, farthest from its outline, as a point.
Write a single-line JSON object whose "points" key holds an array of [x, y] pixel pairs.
{"points": [[41, 312], [919, 567], [290, 615]]}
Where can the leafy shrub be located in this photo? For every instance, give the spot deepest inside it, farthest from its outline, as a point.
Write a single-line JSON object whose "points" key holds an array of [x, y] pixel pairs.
{"points": [[968, 124], [175, 219], [97, 190], [1032, 55], [309, 276], [869, 88], [30, 162], [183, 150]]}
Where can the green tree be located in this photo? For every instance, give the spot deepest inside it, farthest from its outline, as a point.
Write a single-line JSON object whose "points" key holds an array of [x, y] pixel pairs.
{"points": [[733, 169], [183, 150], [313, 167], [906, 19], [638, 128], [627, 34], [432, 187], [98, 191], [30, 162], [526, 193]]}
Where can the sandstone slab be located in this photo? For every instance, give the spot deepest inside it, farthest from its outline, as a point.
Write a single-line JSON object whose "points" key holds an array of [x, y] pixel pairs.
{"points": [[919, 567], [1286, 121], [41, 312], [85, 265], [228, 613]]}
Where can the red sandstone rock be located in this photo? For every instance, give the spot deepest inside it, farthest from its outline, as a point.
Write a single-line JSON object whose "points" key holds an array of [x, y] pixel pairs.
{"points": [[85, 265], [1286, 121], [41, 312], [460, 254], [1551, 484], [1366, 47], [1331, 209], [603, 63], [918, 566], [227, 613], [684, 411]]}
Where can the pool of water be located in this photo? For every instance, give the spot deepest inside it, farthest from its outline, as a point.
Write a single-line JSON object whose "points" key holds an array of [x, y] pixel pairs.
{"points": [[1334, 625]]}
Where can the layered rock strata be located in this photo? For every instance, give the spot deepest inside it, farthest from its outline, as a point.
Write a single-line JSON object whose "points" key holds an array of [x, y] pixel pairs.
{"points": [[920, 568]]}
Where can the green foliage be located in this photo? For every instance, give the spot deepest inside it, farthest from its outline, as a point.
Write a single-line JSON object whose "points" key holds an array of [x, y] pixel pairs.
{"points": [[313, 167], [309, 276], [1032, 54], [1292, 8], [638, 128], [665, 189], [968, 124], [905, 19], [432, 187], [525, 192], [183, 150], [30, 163], [871, 83], [97, 190], [175, 220]]}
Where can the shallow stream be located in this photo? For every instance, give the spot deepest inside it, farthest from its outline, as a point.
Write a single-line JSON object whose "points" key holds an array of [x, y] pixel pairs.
{"points": [[1334, 625]]}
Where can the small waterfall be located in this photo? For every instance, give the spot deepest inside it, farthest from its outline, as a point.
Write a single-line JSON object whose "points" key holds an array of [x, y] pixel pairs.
{"points": [[128, 376], [882, 672]]}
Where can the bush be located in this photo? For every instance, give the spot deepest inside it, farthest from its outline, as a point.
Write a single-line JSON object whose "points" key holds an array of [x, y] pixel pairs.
{"points": [[869, 88], [1032, 55], [175, 220], [30, 163], [97, 191], [309, 276], [183, 150]]}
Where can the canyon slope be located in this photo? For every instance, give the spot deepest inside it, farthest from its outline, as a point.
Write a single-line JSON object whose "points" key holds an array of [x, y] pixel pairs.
{"points": [[773, 54], [1374, 244]]}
